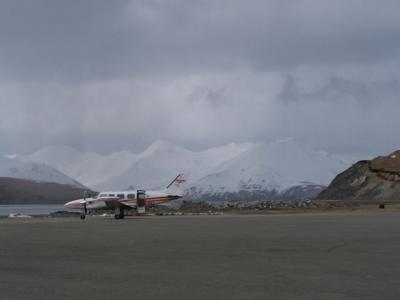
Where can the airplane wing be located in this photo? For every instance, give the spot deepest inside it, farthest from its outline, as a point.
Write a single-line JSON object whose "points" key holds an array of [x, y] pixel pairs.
{"points": [[110, 202]]}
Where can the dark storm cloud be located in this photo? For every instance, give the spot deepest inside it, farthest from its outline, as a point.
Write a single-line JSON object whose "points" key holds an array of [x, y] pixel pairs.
{"points": [[90, 40], [337, 88], [60, 40], [106, 75]]}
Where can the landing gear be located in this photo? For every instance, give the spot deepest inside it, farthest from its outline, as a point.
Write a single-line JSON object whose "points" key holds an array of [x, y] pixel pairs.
{"points": [[141, 202], [119, 212], [84, 212]]}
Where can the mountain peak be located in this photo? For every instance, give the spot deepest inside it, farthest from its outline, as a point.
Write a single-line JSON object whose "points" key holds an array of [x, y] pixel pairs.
{"points": [[60, 151], [38, 172], [164, 146]]}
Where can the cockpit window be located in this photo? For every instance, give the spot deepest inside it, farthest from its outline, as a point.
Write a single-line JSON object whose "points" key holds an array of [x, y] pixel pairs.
{"points": [[111, 195], [121, 196], [102, 195]]}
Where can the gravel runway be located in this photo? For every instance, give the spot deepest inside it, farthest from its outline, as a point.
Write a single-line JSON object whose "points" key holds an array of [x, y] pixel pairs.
{"points": [[288, 256]]}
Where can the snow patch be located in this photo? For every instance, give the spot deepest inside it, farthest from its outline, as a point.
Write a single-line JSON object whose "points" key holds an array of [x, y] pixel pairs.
{"points": [[39, 172]]}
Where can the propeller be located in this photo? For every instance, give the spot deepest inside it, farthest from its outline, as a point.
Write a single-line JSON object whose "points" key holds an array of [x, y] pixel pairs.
{"points": [[85, 194]]}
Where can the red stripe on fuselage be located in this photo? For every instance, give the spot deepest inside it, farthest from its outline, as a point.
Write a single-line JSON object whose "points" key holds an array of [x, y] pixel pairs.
{"points": [[150, 200]]}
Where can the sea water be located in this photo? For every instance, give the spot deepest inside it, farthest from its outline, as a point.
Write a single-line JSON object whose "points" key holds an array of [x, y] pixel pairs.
{"points": [[31, 209]]}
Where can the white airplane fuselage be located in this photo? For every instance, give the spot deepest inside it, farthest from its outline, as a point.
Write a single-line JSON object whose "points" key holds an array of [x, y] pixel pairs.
{"points": [[125, 198], [121, 200]]}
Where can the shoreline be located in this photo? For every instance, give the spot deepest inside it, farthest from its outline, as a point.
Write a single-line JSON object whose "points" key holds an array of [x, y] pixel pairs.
{"points": [[65, 215]]}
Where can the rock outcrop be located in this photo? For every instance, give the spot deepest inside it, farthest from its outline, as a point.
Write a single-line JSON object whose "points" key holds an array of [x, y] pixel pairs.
{"points": [[377, 179]]}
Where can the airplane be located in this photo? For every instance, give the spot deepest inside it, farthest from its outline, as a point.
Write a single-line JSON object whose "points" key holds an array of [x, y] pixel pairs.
{"points": [[121, 200]]}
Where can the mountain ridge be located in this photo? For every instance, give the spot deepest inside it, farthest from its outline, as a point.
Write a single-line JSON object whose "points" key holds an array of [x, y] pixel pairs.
{"points": [[34, 171], [23, 191], [261, 168]]}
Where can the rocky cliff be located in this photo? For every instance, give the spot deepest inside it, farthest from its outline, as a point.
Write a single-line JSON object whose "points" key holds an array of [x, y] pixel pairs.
{"points": [[377, 179]]}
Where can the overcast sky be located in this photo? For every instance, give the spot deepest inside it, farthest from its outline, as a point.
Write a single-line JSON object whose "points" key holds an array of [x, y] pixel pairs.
{"points": [[109, 75]]}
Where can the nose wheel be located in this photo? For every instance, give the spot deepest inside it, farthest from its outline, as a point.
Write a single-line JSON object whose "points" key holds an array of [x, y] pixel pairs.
{"points": [[84, 212]]}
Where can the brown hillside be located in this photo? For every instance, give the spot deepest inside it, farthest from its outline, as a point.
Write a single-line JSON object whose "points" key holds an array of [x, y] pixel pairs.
{"points": [[20, 191], [377, 179]]}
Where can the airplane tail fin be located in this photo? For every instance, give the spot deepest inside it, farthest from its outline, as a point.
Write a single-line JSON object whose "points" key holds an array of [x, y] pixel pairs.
{"points": [[176, 186]]}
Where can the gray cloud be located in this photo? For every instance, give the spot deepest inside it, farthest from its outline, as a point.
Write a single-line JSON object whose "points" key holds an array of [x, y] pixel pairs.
{"points": [[107, 75], [90, 40], [212, 97], [339, 88]]}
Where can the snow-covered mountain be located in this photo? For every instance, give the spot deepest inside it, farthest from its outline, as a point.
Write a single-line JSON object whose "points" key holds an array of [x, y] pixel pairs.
{"points": [[273, 169], [38, 172], [86, 167], [162, 161], [151, 169], [279, 169]]}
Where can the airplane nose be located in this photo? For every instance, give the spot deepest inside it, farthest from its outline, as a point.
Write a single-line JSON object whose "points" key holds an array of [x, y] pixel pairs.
{"points": [[74, 204]]}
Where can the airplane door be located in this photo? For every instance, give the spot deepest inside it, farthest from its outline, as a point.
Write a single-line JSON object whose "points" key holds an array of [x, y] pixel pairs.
{"points": [[141, 201]]}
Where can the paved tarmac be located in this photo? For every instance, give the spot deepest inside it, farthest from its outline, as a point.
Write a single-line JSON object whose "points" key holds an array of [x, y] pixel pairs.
{"points": [[291, 256]]}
